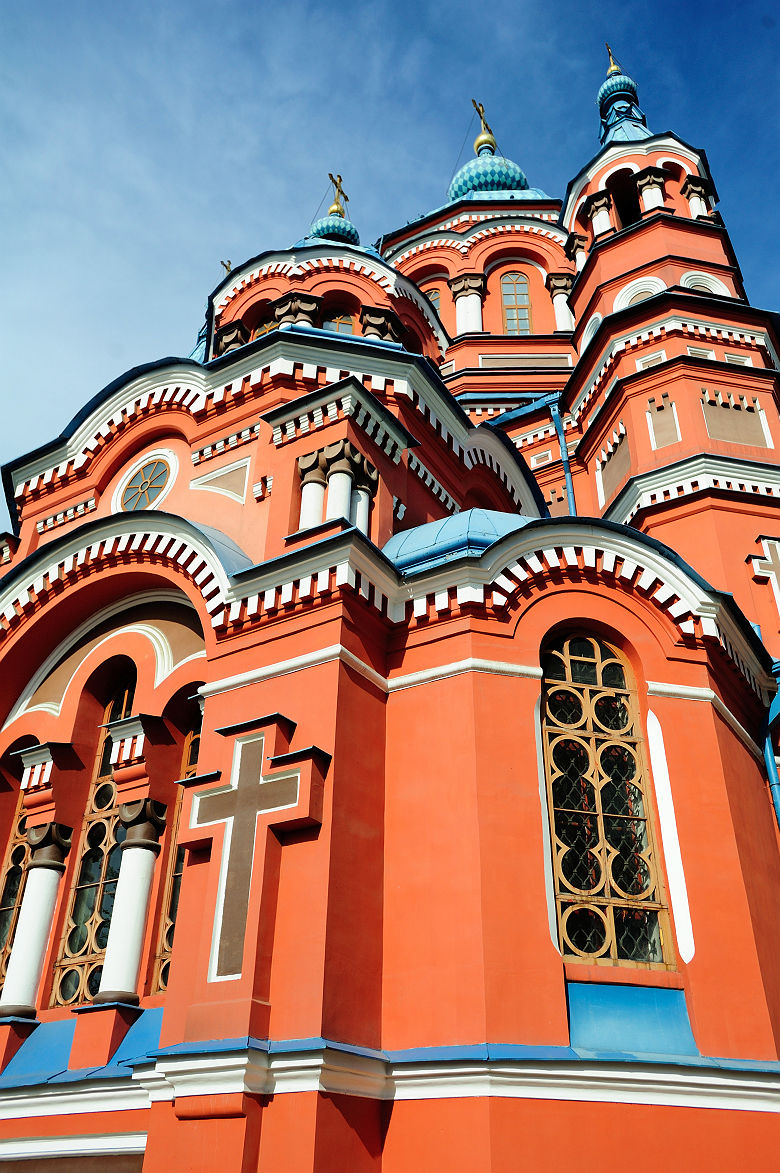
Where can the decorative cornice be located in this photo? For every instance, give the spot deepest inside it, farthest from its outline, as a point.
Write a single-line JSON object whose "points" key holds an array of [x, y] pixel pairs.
{"points": [[691, 328], [463, 245], [334, 261], [283, 355], [346, 399], [661, 487], [120, 540]]}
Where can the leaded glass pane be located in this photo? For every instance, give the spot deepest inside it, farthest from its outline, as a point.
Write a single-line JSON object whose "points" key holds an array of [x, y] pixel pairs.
{"points": [[610, 906], [85, 936], [12, 890]]}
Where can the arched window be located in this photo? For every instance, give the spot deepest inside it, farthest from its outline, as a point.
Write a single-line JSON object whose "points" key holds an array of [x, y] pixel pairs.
{"points": [[83, 945], [434, 297], [516, 303], [340, 323], [608, 896], [264, 328], [162, 961], [641, 296], [14, 874]]}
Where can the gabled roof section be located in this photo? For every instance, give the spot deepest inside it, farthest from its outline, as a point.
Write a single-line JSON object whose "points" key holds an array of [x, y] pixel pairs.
{"points": [[183, 385], [465, 211], [696, 157], [317, 257], [466, 230]]}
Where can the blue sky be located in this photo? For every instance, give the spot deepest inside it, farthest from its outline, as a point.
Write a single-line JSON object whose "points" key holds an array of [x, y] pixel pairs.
{"points": [[144, 142]]}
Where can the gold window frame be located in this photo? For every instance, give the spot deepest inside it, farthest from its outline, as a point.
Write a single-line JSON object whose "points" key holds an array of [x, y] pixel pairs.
{"points": [[17, 856], [610, 902], [82, 946]]}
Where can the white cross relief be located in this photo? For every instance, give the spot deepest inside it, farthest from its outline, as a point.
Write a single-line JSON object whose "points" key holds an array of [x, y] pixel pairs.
{"points": [[769, 566], [239, 806]]}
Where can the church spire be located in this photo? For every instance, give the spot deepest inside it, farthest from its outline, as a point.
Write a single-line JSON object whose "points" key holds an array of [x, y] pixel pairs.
{"points": [[621, 118]]}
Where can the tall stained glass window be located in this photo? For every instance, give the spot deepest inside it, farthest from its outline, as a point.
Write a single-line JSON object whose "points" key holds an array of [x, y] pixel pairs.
{"points": [[91, 904], [610, 906], [12, 885]]}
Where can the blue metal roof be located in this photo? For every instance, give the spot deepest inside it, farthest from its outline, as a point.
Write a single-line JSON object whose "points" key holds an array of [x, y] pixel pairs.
{"points": [[465, 534]]}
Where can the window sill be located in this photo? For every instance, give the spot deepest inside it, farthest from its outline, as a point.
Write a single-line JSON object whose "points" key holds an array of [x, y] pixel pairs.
{"points": [[623, 975]]}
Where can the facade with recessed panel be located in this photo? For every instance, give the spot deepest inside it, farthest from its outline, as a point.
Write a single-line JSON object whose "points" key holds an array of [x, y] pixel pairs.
{"points": [[388, 731]]}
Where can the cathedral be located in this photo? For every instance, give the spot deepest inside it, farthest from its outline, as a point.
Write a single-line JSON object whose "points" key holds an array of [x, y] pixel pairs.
{"points": [[388, 775]]}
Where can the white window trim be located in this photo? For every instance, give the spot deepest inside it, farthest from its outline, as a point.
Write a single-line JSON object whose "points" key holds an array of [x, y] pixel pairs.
{"points": [[714, 284], [649, 418], [170, 459], [651, 360], [649, 285]]}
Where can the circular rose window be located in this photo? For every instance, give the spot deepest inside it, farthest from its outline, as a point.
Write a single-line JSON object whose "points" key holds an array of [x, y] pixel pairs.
{"points": [[145, 485]]}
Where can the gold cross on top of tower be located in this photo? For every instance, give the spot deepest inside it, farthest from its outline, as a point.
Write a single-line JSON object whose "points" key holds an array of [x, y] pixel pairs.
{"points": [[613, 65], [480, 109], [337, 207]]}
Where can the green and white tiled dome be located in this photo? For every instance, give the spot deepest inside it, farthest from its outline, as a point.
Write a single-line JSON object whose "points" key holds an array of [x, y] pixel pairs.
{"points": [[488, 172], [334, 227]]}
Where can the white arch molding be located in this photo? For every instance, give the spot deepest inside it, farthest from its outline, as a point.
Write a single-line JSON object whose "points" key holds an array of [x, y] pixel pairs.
{"points": [[163, 653], [710, 282], [648, 285]]}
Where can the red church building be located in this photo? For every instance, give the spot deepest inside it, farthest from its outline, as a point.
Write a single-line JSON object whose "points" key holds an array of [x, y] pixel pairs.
{"points": [[388, 730]]}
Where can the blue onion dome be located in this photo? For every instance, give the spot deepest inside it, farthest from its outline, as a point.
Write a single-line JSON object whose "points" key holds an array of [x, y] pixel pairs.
{"points": [[333, 227], [618, 102], [488, 171]]}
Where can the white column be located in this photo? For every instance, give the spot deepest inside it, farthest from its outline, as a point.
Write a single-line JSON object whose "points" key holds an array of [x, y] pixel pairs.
{"points": [[312, 503], [50, 844], [580, 257], [33, 929], [128, 925], [362, 506], [559, 285], [652, 197], [696, 189], [145, 820], [339, 493], [563, 315], [468, 289], [601, 221], [468, 313]]}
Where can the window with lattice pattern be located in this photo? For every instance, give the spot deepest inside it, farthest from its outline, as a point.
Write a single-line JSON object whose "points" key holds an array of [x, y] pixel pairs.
{"points": [[12, 889], [516, 303], [264, 328], [340, 324], [91, 904], [162, 961], [610, 905]]}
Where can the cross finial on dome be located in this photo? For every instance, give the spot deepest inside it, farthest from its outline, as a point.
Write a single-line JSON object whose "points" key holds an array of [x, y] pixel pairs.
{"points": [[337, 207], [484, 143], [613, 65]]}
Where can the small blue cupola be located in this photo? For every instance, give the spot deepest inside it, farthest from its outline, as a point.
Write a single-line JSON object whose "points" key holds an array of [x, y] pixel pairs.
{"points": [[621, 118], [336, 226], [489, 175]]}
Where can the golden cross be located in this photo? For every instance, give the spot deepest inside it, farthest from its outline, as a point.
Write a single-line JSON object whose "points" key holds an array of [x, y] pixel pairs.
{"points": [[480, 109], [339, 192]]}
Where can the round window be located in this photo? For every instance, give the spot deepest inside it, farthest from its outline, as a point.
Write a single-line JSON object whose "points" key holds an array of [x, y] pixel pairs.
{"points": [[145, 485]]}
